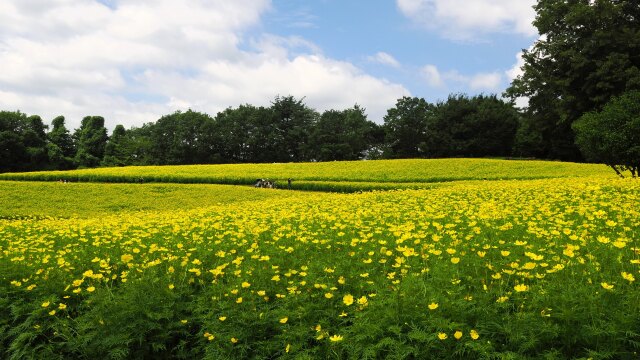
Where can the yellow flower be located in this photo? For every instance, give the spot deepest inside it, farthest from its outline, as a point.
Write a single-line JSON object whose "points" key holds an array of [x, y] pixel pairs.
{"points": [[627, 276], [442, 336], [52, 312], [458, 335], [245, 285], [126, 258], [46, 304], [284, 320], [239, 300], [62, 306], [234, 340], [505, 253], [348, 299], [262, 292], [455, 260], [209, 336], [363, 301], [171, 286], [474, 335], [433, 306], [606, 286], [184, 321], [91, 289], [521, 288], [328, 295], [287, 348], [222, 318], [336, 338]]}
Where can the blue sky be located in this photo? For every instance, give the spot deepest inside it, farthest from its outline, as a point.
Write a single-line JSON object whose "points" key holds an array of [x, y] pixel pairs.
{"points": [[133, 61]]}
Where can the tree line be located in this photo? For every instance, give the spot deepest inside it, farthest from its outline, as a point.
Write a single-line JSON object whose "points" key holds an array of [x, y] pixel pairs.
{"points": [[286, 131]]}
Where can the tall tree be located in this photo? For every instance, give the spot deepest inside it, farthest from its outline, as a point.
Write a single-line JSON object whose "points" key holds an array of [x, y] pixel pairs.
{"points": [[115, 151], [292, 120], [60, 146], [588, 52], [91, 139], [342, 135], [477, 126], [406, 127]]}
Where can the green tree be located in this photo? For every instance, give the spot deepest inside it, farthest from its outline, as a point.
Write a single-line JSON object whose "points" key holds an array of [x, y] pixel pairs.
{"points": [[612, 136], [342, 135], [477, 126], [587, 53], [22, 142], [291, 122], [115, 151], [91, 139], [178, 138], [60, 146], [406, 127]]}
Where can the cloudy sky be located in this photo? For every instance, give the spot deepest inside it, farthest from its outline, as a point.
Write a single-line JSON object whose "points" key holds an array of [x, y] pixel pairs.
{"points": [[133, 61]]}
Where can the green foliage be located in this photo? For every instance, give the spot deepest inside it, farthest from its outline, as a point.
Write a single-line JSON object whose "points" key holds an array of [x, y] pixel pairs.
{"points": [[406, 127], [612, 136], [587, 54], [91, 140], [343, 135]]}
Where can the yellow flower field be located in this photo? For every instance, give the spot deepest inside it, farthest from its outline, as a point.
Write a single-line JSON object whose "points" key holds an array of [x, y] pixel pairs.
{"points": [[513, 269]]}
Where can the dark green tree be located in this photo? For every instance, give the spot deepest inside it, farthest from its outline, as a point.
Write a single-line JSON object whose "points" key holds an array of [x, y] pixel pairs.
{"points": [[477, 126], [91, 140], [60, 146], [342, 135], [291, 123], [22, 142], [612, 136], [178, 138], [589, 51], [405, 127], [116, 150]]}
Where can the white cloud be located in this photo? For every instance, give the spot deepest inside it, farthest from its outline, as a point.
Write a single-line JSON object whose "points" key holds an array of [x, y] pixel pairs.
{"points": [[481, 81], [486, 81], [469, 19], [432, 75], [385, 59], [140, 59]]}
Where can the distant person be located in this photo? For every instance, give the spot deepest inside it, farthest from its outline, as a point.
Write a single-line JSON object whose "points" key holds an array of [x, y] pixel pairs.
{"points": [[289, 183]]}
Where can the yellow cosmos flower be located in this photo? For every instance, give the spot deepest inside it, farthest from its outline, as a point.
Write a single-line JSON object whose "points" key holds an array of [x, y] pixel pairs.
{"points": [[442, 336], [222, 318], [234, 340], [627, 276], [284, 320], [261, 292], [62, 306], [239, 300], [52, 312], [363, 301], [245, 285], [126, 258], [474, 334], [455, 260], [348, 299], [336, 338], [209, 336], [46, 304], [328, 295], [91, 289], [433, 306], [171, 286], [286, 349], [458, 335], [521, 287], [606, 286]]}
